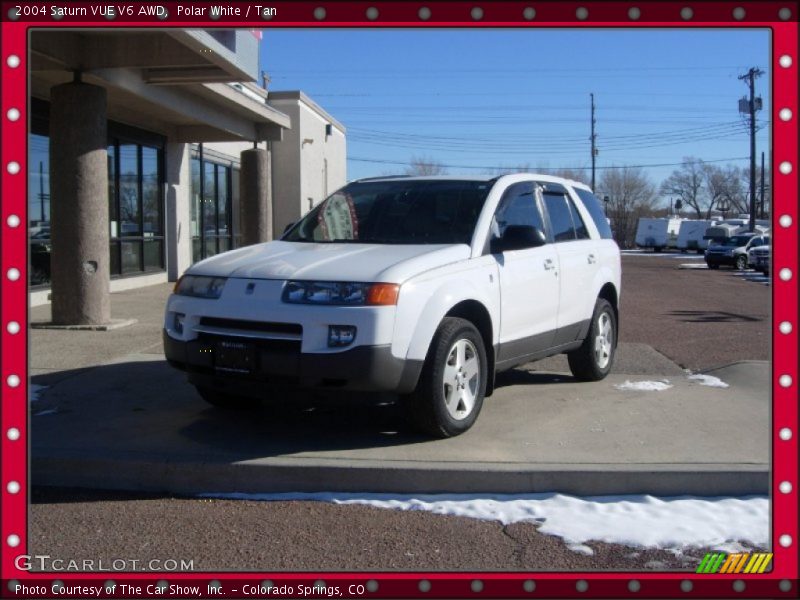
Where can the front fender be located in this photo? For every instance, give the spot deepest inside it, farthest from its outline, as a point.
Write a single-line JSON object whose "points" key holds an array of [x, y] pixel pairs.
{"points": [[424, 303]]}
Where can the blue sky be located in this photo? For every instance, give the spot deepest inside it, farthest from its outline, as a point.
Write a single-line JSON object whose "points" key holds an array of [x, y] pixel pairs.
{"points": [[504, 98]]}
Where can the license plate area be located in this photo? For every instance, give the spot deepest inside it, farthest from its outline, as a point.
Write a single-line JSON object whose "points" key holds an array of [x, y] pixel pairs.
{"points": [[234, 357]]}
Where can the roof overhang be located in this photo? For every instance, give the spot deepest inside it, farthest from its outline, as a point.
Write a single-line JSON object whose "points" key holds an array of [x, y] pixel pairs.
{"points": [[163, 80]]}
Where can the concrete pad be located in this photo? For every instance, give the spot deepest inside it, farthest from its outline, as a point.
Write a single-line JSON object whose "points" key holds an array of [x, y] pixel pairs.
{"points": [[66, 349], [136, 424]]}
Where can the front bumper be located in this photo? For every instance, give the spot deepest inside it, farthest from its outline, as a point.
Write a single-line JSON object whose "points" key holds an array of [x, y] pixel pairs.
{"points": [[279, 362], [720, 259]]}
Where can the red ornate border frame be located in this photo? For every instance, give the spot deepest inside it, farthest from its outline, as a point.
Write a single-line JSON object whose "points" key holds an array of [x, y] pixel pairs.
{"points": [[781, 582]]}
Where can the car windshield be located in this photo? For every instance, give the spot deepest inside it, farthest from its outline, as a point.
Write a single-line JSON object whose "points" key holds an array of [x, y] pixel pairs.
{"points": [[395, 212]]}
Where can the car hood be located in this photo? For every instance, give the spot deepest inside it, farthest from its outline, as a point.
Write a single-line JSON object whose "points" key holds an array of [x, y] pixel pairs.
{"points": [[392, 263], [717, 248]]}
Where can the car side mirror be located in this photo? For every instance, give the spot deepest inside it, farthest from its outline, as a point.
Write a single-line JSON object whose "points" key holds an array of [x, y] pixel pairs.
{"points": [[518, 237]]}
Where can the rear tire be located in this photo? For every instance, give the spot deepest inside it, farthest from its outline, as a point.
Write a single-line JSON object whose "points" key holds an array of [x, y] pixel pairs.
{"points": [[225, 401], [593, 360], [451, 387]]}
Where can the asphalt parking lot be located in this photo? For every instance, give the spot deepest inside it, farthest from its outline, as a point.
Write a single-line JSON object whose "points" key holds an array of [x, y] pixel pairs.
{"points": [[699, 318], [672, 319]]}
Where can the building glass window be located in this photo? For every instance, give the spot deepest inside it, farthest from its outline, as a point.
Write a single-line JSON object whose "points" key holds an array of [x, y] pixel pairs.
{"points": [[136, 208], [211, 205], [135, 198], [39, 207]]}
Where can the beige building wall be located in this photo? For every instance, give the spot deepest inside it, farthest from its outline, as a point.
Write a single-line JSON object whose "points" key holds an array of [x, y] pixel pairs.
{"points": [[310, 162]]}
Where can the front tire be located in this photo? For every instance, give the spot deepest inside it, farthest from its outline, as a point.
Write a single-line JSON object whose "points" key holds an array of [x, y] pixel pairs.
{"points": [[593, 360], [225, 401], [741, 263], [451, 387]]}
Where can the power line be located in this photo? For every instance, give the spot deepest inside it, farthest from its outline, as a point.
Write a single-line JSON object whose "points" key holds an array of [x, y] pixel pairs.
{"points": [[548, 148], [495, 168], [515, 137], [517, 71]]}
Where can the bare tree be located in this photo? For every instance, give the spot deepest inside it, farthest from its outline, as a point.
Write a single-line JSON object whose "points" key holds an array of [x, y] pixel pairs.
{"points": [[744, 205], [631, 195], [719, 187], [425, 166], [687, 183]]}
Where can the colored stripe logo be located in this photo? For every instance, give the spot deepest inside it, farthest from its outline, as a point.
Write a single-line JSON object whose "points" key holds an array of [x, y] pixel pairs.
{"points": [[719, 562]]}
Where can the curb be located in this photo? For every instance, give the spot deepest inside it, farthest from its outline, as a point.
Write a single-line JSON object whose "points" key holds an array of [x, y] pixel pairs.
{"points": [[304, 475]]}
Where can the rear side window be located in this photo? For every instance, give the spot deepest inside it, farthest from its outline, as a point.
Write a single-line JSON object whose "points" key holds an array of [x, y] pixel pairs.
{"points": [[595, 209], [577, 220], [560, 217]]}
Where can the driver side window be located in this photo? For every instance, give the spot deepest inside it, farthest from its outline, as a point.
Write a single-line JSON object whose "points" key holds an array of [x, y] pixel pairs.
{"points": [[517, 207]]}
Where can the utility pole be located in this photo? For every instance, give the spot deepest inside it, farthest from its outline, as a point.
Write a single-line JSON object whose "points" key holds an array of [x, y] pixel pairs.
{"points": [[763, 197], [593, 139], [751, 106]]}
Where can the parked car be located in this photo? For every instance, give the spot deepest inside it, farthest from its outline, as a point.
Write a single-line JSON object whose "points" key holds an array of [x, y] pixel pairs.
{"points": [[425, 287], [733, 250], [758, 258]]}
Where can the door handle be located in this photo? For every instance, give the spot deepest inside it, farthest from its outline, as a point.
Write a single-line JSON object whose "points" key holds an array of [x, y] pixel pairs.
{"points": [[548, 264], [592, 259]]}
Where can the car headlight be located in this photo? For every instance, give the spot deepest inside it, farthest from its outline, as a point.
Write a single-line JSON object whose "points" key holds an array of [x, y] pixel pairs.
{"points": [[340, 293], [200, 286]]}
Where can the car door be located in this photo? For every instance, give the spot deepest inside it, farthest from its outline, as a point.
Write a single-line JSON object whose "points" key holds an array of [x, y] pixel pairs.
{"points": [[577, 257], [529, 285]]}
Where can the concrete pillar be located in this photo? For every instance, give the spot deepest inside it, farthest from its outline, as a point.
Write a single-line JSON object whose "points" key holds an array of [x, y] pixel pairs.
{"points": [[79, 205], [255, 196], [179, 197]]}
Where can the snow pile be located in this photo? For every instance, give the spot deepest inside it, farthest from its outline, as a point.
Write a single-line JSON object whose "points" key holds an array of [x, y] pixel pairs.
{"points": [[646, 521], [644, 386], [708, 380]]}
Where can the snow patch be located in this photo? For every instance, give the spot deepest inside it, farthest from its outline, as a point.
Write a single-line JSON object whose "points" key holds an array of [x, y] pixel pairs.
{"points": [[708, 380], [639, 521], [581, 549], [644, 386]]}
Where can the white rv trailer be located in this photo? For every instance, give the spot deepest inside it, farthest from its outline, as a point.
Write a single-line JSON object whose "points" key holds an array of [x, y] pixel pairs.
{"points": [[691, 235], [657, 233]]}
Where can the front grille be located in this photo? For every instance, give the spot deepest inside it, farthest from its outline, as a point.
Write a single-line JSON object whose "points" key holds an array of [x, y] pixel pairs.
{"points": [[286, 347], [261, 326]]}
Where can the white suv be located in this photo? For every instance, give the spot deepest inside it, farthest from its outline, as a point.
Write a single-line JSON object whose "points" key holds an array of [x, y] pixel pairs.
{"points": [[422, 286]]}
